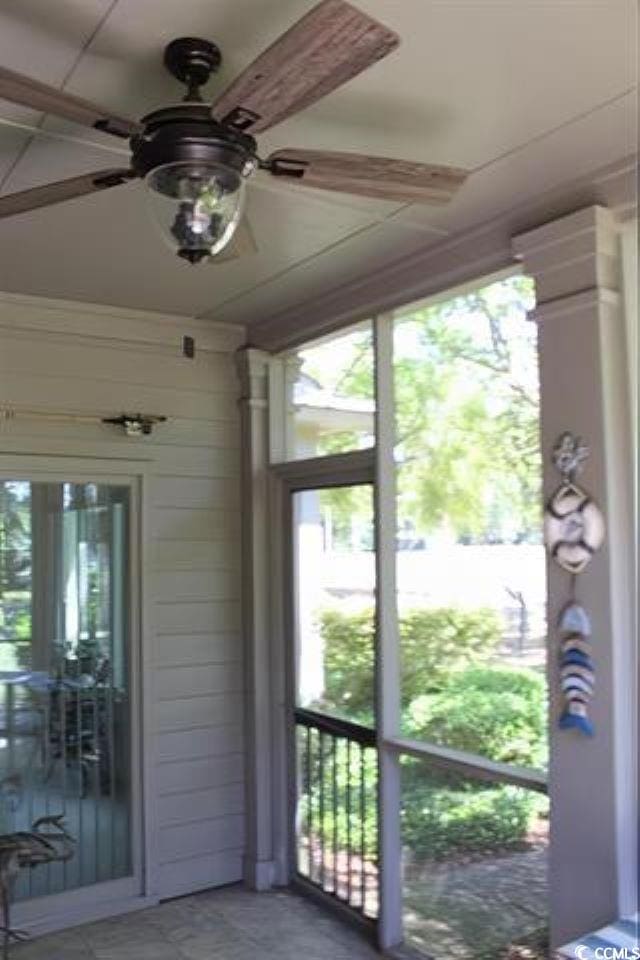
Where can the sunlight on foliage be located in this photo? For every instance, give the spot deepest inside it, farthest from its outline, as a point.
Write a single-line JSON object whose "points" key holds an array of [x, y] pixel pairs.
{"points": [[467, 412]]}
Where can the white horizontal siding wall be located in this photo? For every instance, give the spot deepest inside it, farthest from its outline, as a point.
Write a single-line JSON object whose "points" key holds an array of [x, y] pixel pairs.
{"points": [[65, 357]]}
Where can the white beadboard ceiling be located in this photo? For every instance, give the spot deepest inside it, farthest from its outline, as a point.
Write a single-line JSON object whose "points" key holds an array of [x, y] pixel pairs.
{"points": [[528, 94]]}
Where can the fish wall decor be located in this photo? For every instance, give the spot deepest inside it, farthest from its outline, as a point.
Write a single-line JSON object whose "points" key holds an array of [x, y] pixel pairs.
{"points": [[574, 530]]}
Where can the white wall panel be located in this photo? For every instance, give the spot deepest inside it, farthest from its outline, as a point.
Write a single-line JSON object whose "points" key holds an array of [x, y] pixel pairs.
{"points": [[176, 879], [172, 682], [183, 714], [170, 523], [186, 618], [197, 585], [197, 649], [205, 836], [200, 742], [201, 804], [190, 555], [199, 774], [67, 358]]}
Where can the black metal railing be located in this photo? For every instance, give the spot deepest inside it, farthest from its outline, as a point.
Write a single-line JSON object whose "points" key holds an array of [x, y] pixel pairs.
{"points": [[337, 809]]}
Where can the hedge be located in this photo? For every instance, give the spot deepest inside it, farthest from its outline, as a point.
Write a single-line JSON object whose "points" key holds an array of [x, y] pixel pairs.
{"points": [[450, 695], [433, 643]]}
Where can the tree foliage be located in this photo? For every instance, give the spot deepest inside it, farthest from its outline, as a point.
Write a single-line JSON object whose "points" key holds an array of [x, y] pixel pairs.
{"points": [[434, 642], [467, 412]]}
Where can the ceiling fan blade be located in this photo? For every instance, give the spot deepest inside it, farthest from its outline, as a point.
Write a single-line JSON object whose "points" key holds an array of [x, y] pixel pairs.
{"points": [[331, 44], [355, 173], [243, 244], [46, 99], [51, 193], [111, 147]]}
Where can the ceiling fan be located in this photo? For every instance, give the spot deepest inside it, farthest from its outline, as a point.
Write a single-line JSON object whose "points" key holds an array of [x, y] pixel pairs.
{"points": [[196, 157]]}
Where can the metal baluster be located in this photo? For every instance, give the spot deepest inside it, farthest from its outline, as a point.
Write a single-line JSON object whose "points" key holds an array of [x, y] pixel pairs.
{"points": [[62, 701], [375, 862], [349, 838], [334, 775], [321, 807], [321, 768], [363, 810], [309, 806], [318, 802]]}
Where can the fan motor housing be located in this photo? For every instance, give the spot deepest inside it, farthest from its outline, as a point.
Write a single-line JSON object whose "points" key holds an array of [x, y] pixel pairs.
{"points": [[187, 133], [192, 60]]}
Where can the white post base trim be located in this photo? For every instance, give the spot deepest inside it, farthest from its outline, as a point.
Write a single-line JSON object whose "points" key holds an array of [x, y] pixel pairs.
{"points": [[259, 875]]}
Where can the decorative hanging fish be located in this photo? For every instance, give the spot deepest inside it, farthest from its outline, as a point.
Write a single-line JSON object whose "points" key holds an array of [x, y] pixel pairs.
{"points": [[577, 673], [573, 530]]}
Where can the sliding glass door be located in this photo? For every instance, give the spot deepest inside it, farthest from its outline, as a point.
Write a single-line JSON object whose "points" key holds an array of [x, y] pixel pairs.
{"points": [[65, 674]]}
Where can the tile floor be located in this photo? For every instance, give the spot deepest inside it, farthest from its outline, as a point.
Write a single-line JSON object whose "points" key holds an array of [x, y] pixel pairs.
{"points": [[227, 924]]}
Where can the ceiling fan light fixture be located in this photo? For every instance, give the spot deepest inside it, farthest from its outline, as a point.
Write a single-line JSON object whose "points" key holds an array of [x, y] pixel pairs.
{"points": [[195, 156], [198, 206]]}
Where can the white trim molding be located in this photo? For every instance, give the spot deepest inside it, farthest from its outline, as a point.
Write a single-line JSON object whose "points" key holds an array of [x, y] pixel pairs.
{"points": [[476, 251], [576, 267], [46, 316], [253, 371]]}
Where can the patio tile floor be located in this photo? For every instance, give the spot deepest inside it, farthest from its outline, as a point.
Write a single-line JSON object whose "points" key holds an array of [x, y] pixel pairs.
{"points": [[227, 924]]}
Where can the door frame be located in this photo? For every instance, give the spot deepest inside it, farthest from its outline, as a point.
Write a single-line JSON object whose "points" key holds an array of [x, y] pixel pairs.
{"points": [[317, 473], [58, 911]]}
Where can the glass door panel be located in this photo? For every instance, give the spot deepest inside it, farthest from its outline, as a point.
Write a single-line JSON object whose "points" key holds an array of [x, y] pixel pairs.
{"points": [[65, 717], [334, 628]]}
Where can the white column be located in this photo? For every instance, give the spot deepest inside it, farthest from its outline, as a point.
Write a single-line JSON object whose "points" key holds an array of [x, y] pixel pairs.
{"points": [[575, 264], [253, 368], [388, 652]]}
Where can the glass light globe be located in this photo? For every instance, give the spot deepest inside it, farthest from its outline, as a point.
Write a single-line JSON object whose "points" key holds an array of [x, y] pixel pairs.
{"points": [[197, 205]]}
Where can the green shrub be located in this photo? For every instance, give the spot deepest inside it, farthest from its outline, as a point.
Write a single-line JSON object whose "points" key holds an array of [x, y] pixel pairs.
{"points": [[496, 712], [348, 640], [436, 641], [442, 817], [433, 643], [450, 696]]}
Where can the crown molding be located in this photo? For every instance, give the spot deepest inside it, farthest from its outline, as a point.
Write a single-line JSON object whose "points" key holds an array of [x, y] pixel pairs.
{"points": [[47, 316], [483, 250]]}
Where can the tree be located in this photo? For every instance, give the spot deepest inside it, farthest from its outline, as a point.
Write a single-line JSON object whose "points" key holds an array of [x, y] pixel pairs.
{"points": [[467, 409]]}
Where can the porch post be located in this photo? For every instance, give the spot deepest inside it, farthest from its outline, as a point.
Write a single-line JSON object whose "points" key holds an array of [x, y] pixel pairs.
{"points": [[575, 263], [388, 646], [253, 369]]}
